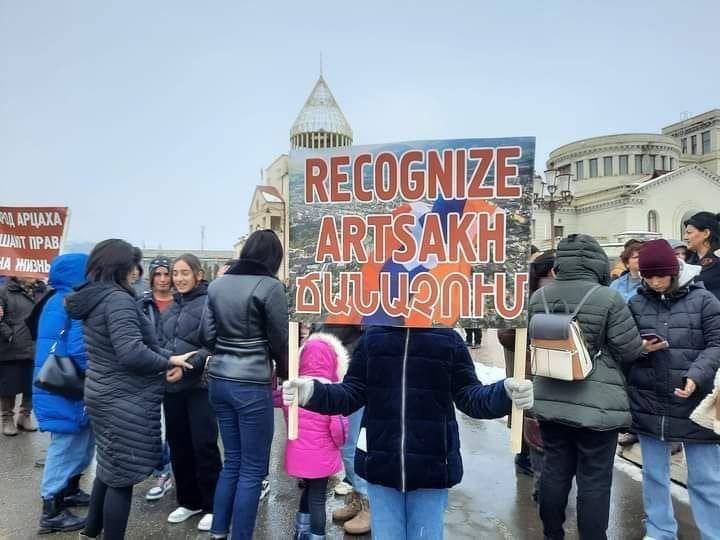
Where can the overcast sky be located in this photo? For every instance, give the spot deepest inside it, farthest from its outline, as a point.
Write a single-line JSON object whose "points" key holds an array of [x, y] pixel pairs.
{"points": [[151, 119]]}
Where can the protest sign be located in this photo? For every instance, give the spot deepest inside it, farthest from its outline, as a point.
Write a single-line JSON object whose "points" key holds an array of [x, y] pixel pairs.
{"points": [[30, 237], [416, 234]]}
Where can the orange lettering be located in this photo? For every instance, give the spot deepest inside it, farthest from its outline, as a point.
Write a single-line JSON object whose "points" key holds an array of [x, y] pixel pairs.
{"points": [[315, 174], [338, 177], [503, 171]]}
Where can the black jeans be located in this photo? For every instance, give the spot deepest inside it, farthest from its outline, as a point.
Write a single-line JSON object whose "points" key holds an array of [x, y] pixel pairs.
{"points": [[588, 455], [313, 502], [109, 511], [191, 431]]}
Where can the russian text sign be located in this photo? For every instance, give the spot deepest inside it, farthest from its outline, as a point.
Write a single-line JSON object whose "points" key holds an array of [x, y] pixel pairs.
{"points": [[420, 234], [30, 237]]}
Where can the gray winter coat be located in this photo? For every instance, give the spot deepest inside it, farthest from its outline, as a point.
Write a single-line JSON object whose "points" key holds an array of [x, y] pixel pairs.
{"points": [[124, 382], [599, 402]]}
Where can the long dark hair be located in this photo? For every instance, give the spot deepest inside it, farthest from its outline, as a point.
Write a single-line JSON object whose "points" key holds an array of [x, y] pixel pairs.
{"points": [[541, 268], [194, 263], [111, 261], [264, 247]]}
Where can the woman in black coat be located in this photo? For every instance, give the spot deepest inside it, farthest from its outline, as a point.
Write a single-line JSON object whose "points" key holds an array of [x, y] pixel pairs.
{"points": [[702, 234], [245, 327], [123, 385], [190, 423], [680, 322]]}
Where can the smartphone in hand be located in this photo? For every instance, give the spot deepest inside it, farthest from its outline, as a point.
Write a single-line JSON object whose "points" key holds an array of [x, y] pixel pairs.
{"points": [[654, 338]]}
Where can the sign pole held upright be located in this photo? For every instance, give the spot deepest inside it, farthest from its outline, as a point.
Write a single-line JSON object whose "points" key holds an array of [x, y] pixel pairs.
{"points": [[293, 370], [516, 431]]}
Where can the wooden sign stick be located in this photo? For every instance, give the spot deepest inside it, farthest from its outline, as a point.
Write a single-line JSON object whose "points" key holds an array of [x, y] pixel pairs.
{"points": [[293, 369], [516, 431]]}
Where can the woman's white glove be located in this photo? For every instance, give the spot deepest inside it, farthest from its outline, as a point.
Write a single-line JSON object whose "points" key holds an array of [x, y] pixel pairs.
{"points": [[302, 389], [520, 392]]}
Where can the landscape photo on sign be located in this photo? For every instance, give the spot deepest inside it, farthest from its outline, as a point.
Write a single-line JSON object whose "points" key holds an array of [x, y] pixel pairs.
{"points": [[418, 234]]}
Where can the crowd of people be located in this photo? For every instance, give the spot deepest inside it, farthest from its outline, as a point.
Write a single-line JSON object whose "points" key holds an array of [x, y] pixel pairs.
{"points": [[171, 369]]}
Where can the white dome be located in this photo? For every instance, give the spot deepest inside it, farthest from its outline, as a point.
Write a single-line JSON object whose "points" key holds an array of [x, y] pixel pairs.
{"points": [[321, 114]]}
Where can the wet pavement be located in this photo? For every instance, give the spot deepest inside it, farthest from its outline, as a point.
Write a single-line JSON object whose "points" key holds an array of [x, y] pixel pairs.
{"points": [[490, 503]]}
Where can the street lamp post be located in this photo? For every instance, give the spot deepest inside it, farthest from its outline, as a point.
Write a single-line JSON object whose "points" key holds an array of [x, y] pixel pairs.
{"points": [[549, 199]]}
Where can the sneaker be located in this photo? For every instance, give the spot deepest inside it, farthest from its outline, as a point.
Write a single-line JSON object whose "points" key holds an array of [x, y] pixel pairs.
{"points": [[205, 523], [264, 489], [182, 514], [161, 487], [343, 488]]}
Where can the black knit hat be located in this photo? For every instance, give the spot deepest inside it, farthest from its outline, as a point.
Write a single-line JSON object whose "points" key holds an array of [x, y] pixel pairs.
{"points": [[159, 262], [704, 221]]}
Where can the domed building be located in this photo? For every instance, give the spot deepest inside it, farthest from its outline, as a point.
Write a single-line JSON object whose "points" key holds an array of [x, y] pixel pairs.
{"points": [[636, 185], [320, 124]]}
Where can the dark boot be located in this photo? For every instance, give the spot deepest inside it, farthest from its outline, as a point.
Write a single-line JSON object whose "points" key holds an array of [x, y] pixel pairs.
{"points": [[55, 518], [302, 526], [72, 495]]}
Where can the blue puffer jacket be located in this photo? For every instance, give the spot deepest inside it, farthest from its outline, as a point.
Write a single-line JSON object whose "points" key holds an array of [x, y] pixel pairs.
{"points": [[56, 413], [410, 381]]}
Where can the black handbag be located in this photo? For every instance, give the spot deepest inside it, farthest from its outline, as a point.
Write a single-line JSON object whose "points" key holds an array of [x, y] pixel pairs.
{"points": [[60, 375]]}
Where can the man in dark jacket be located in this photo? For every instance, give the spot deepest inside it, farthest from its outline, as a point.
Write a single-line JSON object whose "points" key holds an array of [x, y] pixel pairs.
{"points": [[580, 420], [668, 383], [17, 350], [409, 381]]}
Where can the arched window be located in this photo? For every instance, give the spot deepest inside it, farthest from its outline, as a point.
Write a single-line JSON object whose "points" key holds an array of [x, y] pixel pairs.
{"points": [[652, 224]]}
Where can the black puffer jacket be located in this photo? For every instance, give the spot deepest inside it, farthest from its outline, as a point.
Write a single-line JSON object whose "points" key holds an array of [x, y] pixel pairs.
{"points": [[245, 325], [123, 384], [689, 319], [410, 381], [710, 273], [180, 333], [16, 342]]}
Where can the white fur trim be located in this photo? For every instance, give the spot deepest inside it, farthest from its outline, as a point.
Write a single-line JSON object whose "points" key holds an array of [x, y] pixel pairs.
{"points": [[343, 359], [705, 413]]}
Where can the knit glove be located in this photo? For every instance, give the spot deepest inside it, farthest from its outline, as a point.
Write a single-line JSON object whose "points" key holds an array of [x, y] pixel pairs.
{"points": [[300, 389], [520, 392]]}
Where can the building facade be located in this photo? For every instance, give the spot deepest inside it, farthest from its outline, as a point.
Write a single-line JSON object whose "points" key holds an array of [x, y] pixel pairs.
{"points": [[637, 185]]}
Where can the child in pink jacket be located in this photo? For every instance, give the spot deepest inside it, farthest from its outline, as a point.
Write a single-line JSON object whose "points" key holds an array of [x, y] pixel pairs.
{"points": [[315, 455]]}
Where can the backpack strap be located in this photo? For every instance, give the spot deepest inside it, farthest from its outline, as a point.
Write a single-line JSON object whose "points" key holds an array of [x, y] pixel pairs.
{"points": [[544, 300], [584, 299]]}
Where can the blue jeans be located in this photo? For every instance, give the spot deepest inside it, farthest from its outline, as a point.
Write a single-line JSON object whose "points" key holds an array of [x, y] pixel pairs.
{"points": [[348, 452], [68, 455], [163, 468], [245, 415], [407, 516], [703, 463]]}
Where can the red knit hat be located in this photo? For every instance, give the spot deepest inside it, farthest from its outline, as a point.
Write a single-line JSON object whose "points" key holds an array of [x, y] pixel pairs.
{"points": [[657, 259]]}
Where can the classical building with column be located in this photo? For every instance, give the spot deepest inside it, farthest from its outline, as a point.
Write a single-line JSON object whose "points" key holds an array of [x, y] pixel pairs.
{"points": [[320, 124], [637, 185]]}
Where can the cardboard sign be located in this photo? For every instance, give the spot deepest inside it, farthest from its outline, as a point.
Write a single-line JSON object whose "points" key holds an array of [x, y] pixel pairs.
{"points": [[30, 237], [418, 234]]}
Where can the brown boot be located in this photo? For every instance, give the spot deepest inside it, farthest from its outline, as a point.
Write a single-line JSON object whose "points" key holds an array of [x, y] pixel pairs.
{"points": [[25, 420], [360, 524], [353, 505], [7, 404]]}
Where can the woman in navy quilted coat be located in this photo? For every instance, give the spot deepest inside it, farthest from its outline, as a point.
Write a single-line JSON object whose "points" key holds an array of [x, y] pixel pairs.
{"points": [[668, 383], [190, 423], [123, 384]]}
